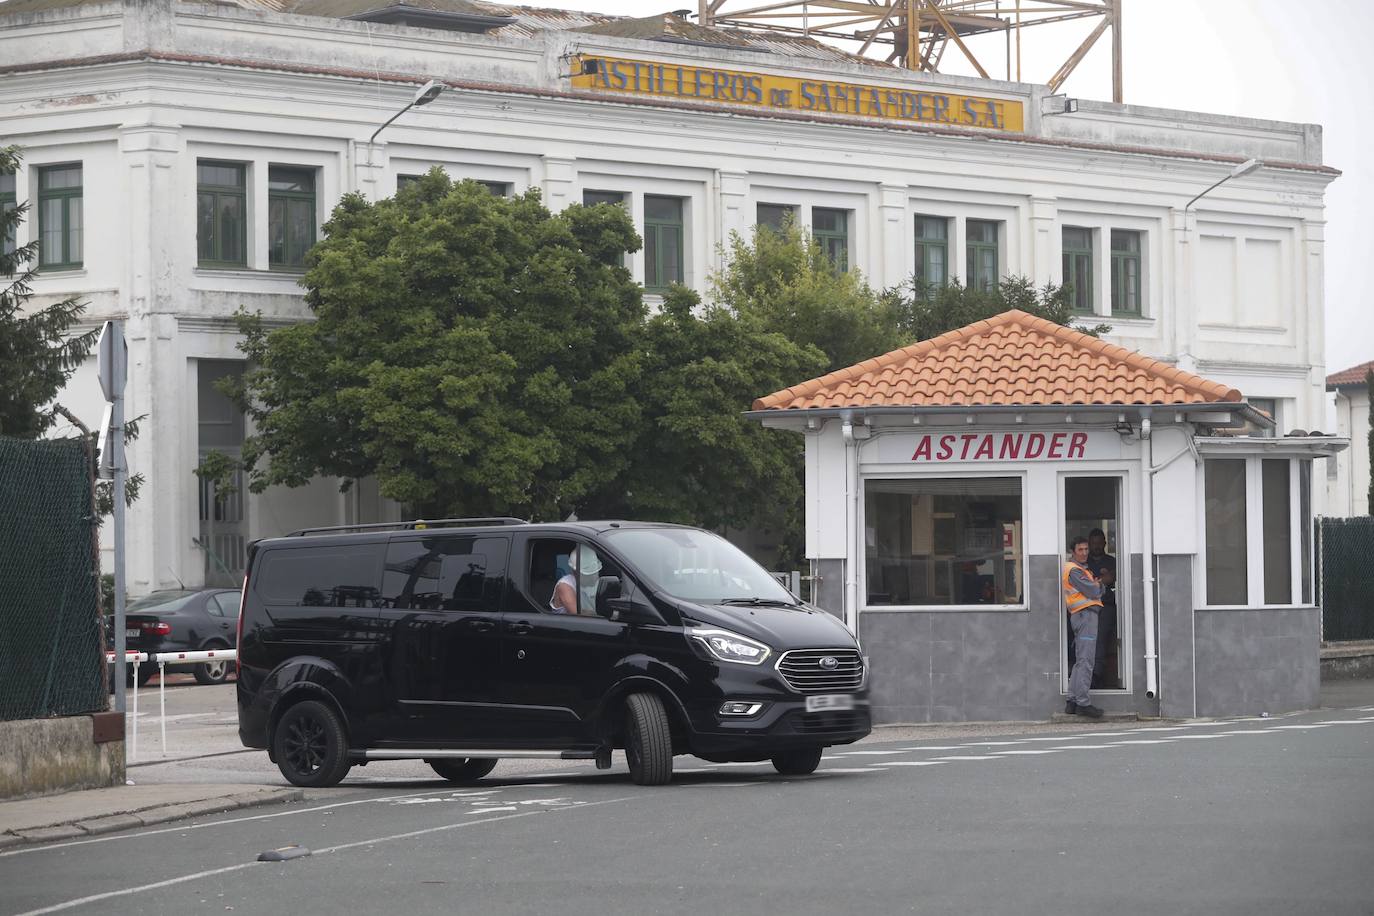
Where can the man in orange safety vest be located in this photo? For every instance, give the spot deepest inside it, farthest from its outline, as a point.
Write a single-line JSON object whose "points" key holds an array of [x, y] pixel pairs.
{"points": [[1083, 601]]}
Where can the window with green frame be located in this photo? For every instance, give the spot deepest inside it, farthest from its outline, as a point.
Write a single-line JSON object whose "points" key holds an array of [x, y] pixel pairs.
{"points": [[774, 216], [592, 198], [662, 242], [403, 180], [290, 216], [830, 228], [1125, 272], [1078, 267], [497, 188], [8, 202], [984, 271], [932, 253], [221, 214], [60, 217]]}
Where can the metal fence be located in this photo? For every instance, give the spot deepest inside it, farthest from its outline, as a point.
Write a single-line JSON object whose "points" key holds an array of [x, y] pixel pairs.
{"points": [[1347, 577], [51, 654]]}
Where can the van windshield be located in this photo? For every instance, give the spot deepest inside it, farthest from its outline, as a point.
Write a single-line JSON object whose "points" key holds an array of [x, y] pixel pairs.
{"points": [[697, 566]]}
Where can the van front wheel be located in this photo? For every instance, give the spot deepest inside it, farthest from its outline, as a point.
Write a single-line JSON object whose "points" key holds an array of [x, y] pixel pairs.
{"points": [[798, 763], [310, 746], [648, 740]]}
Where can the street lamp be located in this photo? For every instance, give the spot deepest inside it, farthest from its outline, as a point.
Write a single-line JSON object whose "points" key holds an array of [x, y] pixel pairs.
{"points": [[1245, 168], [423, 96]]}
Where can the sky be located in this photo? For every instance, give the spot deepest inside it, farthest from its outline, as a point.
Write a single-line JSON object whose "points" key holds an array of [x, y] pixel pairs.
{"points": [[1310, 62]]}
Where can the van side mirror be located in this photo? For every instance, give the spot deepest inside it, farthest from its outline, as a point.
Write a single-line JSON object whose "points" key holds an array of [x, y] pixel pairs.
{"points": [[617, 601]]}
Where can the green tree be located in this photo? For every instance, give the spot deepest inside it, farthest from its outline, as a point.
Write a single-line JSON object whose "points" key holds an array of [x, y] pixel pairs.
{"points": [[785, 280], [37, 354], [697, 459], [475, 353], [924, 311]]}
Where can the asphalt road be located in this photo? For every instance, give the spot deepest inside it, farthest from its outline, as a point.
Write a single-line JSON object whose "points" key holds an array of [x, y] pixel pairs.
{"points": [[1239, 816]]}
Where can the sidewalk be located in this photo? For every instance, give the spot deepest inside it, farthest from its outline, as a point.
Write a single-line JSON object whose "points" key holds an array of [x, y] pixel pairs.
{"points": [[94, 811]]}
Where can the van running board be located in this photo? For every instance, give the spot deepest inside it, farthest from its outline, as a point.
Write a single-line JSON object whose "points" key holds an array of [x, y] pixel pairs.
{"points": [[447, 753]]}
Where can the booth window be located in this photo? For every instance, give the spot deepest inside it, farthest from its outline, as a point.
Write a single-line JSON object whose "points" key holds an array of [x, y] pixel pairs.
{"points": [[932, 254], [983, 271], [943, 541], [1078, 267], [60, 221], [662, 242], [1258, 518], [1126, 273], [831, 231]]}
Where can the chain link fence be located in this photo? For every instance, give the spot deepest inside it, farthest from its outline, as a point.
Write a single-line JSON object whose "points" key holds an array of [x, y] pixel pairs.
{"points": [[51, 647], [1347, 576]]}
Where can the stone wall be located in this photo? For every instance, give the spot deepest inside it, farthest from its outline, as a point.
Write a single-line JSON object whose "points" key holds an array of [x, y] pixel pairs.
{"points": [[45, 756]]}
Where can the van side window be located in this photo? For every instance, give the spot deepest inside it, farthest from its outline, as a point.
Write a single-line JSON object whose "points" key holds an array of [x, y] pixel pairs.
{"points": [[551, 562], [332, 576], [445, 573]]}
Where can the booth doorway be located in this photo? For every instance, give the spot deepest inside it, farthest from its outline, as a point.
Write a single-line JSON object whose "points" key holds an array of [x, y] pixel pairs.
{"points": [[1092, 509]]}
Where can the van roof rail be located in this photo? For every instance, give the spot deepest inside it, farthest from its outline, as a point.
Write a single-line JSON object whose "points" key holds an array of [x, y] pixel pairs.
{"points": [[413, 525]]}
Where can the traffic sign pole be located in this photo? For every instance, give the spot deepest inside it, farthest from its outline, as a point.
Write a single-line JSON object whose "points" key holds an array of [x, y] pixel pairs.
{"points": [[113, 364]]}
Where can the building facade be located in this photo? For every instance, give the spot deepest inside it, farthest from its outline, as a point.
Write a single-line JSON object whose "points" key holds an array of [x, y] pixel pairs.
{"points": [[1347, 480], [181, 156]]}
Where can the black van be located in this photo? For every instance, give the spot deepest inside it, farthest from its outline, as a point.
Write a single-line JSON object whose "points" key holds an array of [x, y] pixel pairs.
{"points": [[463, 641]]}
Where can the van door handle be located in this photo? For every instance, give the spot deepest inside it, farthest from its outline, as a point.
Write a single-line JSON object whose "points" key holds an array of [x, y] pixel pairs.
{"points": [[482, 626], [520, 629]]}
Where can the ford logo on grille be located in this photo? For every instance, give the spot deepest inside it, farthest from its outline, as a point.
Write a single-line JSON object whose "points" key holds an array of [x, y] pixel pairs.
{"points": [[830, 663]]}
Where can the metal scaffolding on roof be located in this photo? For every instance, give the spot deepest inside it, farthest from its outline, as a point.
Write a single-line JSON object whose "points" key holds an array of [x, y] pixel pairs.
{"points": [[916, 33]]}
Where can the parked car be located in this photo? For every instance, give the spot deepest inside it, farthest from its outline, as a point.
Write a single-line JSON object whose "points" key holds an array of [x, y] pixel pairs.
{"points": [[181, 620], [465, 641]]}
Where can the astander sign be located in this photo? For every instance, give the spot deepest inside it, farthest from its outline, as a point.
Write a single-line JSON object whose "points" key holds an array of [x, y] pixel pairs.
{"points": [[938, 447]]}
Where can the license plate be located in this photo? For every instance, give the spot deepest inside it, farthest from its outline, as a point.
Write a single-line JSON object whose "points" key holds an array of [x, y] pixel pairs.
{"points": [[130, 634], [828, 701]]}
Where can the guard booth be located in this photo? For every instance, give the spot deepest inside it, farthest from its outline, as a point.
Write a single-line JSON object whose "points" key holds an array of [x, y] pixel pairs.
{"points": [[945, 480]]}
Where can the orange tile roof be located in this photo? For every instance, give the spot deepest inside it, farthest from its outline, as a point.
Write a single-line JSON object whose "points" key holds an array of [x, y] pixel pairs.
{"points": [[1355, 375], [1012, 359]]}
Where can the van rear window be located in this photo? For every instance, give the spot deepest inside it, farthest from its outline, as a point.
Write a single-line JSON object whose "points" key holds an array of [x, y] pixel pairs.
{"points": [[332, 576]]}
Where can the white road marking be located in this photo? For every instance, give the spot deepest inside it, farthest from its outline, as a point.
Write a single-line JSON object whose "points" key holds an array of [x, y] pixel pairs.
{"points": [[911, 763], [865, 753], [1150, 741], [1023, 753], [1085, 747], [872, 767], [982, 757], [492, 810], [1281, 728]]}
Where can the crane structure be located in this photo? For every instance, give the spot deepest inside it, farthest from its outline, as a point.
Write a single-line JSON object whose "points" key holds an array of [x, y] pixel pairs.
{"points": [[915, 34]]}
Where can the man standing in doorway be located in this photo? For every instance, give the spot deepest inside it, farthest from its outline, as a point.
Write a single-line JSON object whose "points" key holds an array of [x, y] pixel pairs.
{"points": [[1103, 567], [1083, 601]]}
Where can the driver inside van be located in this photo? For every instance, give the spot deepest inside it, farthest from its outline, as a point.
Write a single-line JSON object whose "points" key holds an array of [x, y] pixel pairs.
{"points": [[577, 589]]}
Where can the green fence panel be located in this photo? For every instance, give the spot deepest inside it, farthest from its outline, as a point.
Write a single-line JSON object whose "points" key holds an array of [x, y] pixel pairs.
{"points": [[1347, 557], [51, 647]]}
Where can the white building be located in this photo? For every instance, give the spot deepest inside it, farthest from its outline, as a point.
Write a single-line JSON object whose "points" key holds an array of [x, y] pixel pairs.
{"points": [[1347, 481], [181, 155]]}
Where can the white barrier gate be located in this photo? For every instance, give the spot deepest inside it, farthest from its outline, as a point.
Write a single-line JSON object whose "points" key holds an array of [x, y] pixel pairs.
{"points": [[163, 659]]}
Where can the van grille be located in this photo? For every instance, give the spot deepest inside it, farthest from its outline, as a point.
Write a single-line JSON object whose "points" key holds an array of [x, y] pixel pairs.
{"points": [[802, 670], [828, 723]]}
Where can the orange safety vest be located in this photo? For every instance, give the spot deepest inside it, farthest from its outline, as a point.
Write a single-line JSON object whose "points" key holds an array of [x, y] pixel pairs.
{"points": [[1075, 600]]}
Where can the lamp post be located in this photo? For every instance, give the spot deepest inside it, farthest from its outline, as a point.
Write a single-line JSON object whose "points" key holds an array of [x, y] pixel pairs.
{"points": [[1245, 168], [423, 96]]}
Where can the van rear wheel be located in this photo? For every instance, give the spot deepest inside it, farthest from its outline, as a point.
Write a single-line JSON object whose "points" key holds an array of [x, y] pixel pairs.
{"points": [[462, 769], [310, 746], [798, 763], [648, 740]]}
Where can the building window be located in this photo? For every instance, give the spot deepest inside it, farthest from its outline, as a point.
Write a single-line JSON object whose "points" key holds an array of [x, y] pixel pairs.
{"points": [[60, 217], [1224, 506], [1125, 273], [1270, 406], [290, 216], [406, 180], [221, 214], [1254, 520], [831, 231], [662, 242], [932, 253], [497, 188], [775, 216], [1078, 267], [983, 271], [946, 541], [8, 202], [617, 198], [1277, 521]]}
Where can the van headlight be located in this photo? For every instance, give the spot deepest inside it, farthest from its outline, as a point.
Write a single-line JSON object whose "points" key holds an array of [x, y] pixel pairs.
{"points": [[732, 647]]}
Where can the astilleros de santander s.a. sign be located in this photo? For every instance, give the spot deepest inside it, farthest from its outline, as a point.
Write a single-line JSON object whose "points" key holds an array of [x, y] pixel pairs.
{"points": [[789, 93]]}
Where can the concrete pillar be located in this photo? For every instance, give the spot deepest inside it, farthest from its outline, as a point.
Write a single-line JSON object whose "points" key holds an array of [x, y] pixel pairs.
{"points": [[559, 176], [895, 267], [156, 530], [733, 209], [1045, 246]]}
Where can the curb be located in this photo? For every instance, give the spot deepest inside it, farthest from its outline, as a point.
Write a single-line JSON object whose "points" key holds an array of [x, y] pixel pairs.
{"points": [[143, 817]]}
